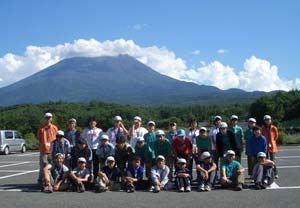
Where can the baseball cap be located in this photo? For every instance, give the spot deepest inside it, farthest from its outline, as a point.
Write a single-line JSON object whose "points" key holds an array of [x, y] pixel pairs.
{"points": [[60, 133], [48, 115], [218, 118], [81, 159], [117, 118], [203, 129], [223, 125], [104, 136], [160, 132], [234, 117], [151, 123], [205, 155], [267, 117], [140, 139], [71, 120], [229, 152], [181, 160], [252, 120], [110, 158], [173, 124], [180, 132], [261, 154], [137, 118], [59, 155], [160, 157]]}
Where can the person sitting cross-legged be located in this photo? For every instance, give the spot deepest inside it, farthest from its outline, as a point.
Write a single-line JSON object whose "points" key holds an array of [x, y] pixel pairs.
{"points": [[206, 172], [80, 175], [159, 175]]}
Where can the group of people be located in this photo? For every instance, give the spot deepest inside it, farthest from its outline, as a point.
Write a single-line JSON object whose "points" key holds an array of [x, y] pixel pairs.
{"points": [[146, 158]]}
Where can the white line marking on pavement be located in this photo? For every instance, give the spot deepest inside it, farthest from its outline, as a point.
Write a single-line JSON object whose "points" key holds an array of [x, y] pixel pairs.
{"points": [[281, 157], [288, 166], [286, 150], [17, 174], [5, 162], [12, 171], [28, 154], [14, 164]]}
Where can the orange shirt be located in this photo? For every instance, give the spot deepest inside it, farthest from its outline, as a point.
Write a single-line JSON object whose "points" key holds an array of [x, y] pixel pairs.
{"points": [[271, 135], [46, 134]]}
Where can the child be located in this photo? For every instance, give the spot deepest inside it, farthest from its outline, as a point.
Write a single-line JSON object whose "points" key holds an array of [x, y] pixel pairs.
{"points": [[104, 150], [134, 179], [80, 175], [263, 174], [159, 174], [182, 176], [206, 171], [56, 175], [109, 177]]}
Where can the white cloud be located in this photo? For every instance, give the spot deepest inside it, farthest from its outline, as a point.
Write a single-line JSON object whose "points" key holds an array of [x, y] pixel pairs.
{"points": [[257, 74], [222, 51], [196, 52]]}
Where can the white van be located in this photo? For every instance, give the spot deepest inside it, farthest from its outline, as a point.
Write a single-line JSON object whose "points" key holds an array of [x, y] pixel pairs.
{"points": [[11, 141]]}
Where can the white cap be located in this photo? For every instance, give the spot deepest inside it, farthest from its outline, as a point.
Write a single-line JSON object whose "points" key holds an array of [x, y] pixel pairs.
{"points": [[218, 117], [223, 125], [117, 118], [59, 155], [137, 118], [229, 152], [252, 120], [160, 132], [48, 115], [234, 117], [160, 157], [110, 158], [60, 133], [203, 129], [151, 123], [71, 120], [261, 154], [181, 160], [104, 136], [267, 117], [140, 139], [205, 155], [81, 159]]}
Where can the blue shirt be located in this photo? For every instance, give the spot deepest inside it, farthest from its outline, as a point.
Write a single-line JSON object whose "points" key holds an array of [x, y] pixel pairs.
{"points": [[135, 172], [256, 145]]}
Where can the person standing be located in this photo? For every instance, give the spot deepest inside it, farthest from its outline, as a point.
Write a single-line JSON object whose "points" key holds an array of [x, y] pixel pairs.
{"points": [[239, 134], [270, 131], [213, 136], [150, 137], [247, 135], [136, 131], [116, 131], [92, 135], [46, 134], [72, 134]]}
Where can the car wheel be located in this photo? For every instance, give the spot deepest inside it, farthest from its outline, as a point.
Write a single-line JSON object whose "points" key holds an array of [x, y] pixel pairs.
{"points": [[23, 149], [6, 150]]}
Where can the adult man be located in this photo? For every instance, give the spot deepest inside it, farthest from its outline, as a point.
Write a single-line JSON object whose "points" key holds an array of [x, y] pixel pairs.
{"points": [[46, 134], [225, 140], [136, 131], [117, 130]]}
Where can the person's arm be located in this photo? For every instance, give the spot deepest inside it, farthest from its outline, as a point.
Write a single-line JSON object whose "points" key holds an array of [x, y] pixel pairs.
{"points": [[103, 176], [154, 175], [131, 131], [125, 131], [275, 133], [165, 180], [268, 163], [212, 168]]}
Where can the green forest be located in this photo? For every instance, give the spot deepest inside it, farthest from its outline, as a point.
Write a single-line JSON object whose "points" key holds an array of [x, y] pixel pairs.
{"points": [[284, 107]]}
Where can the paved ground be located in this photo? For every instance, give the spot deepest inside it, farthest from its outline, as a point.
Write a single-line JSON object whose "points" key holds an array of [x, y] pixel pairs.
{"points": [[18, 174]]}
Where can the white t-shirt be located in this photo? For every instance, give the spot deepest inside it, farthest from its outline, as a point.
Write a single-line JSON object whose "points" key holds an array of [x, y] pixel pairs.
{"points": [[213, 136], [113, 133], [192, 134], [92, 136], [139, 132]]}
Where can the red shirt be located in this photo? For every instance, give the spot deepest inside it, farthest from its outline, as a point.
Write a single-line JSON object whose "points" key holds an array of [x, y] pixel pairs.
{"points": [[182, 147]]}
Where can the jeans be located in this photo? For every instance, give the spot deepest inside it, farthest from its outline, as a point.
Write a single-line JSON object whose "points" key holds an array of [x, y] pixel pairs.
{"points": [[209, 181]]}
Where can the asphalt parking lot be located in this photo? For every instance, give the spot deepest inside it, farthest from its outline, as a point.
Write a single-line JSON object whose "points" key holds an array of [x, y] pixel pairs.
{"points": [[18, 176]]}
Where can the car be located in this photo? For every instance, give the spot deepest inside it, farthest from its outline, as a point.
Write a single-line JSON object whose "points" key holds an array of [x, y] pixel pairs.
{"points": [[11, 141]]}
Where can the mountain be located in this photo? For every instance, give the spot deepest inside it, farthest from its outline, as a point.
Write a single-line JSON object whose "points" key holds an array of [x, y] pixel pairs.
{"points": [[119, 79]]}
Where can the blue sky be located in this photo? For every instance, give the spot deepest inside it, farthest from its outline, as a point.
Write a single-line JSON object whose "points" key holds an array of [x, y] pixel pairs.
{"points": [[268, 30]]}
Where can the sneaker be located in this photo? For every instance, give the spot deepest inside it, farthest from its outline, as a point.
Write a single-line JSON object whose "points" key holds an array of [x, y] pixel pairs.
{"points": [[238, 187], [80, 188], [156, 189], [276, 176], [257, 186], [130, 190], [188, 189], [48, 189], [201, 188], [265, 181], [207, 188], [181, 189]]}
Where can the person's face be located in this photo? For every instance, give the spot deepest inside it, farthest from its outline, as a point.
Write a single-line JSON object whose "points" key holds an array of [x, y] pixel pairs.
{"points": [[140, 144], [81, 165], [120, 145], [194, 124], [230, 158], [172, 128], [59, 160], [110, 164], [181, 165], [218, 122], [151, 128], [207, 160], [202, 133], [160, 163], [81, 146], [59, 138], [257, 133], [223, 130], [136, 163], [251, 124], [117, 123], [261, 159], [48, 119], [72, 125], [234, 122], [160, 137], [93, 124], [137, 123], [104, 141], [268, 121], [181, 138]]}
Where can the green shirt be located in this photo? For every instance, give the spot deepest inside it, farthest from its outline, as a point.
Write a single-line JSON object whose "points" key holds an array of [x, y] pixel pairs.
{"points": [[150, 138], [248, 134], [239, 134], [230, 168], [145, 152], [162, 148], [203, 143]]}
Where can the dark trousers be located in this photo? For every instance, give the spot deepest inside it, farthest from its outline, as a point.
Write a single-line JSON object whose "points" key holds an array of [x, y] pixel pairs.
{"points": [[95, 164], [182, 182], [210, 181]]}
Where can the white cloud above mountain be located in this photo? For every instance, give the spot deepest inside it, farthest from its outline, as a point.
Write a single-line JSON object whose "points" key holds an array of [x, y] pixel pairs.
{"points": [[256, 74]]}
